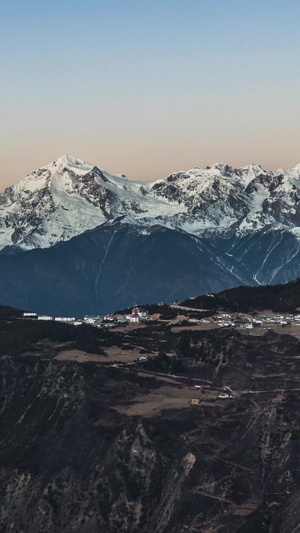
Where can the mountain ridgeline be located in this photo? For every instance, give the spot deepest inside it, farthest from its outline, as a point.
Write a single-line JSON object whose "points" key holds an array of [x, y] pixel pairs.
{"points": [[75, 239], [283, 298]]}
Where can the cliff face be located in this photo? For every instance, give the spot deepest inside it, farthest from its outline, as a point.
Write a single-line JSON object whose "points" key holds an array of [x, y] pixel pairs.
{"points": [[71, 462], [92, 440]]}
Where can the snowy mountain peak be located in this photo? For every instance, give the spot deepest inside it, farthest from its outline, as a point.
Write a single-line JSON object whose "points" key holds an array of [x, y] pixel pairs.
{"points": [[221, 168], [296, 169], [71, 163], [70, 196]]}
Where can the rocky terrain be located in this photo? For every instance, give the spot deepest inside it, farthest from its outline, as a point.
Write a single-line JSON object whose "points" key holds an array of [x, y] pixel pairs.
{"points": [[70, 196], [94, 439]]}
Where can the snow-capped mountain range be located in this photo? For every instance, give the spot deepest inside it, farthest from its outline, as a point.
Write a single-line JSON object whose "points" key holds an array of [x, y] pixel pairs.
{"points": [[70, 196], [77, 240]]}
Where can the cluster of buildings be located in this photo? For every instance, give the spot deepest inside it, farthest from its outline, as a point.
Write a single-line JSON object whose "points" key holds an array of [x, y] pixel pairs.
{"points": [[67, 319], [196, 321], [249, 322], [137, 315]]}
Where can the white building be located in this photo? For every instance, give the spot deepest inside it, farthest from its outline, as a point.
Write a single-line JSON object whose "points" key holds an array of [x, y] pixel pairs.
{"points": [[134, 318], [89, 320], [140, 312], [64, 318]]}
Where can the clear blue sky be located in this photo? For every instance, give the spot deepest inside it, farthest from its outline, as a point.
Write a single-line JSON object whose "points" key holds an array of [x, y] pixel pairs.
{"points": [[148, 88]]}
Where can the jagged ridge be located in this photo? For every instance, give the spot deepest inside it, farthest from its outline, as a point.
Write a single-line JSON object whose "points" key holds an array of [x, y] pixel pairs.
{"points": [[70, 196]]}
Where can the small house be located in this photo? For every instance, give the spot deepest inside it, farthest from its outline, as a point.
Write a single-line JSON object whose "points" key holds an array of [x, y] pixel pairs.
{"points": [[195, 401]]}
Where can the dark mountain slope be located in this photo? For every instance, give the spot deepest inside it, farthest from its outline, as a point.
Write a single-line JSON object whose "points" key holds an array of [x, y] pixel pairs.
{"points": [[117, 265], [281, 297], [269, 256], [111, 267]]}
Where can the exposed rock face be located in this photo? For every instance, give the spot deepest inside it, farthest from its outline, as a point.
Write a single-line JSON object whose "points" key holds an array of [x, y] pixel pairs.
{"points": [[69, 196], [53, 204], [71, 463]]}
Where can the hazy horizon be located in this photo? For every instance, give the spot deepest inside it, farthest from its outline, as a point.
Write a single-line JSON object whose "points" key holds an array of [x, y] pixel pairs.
{"points": [[147, 90]]}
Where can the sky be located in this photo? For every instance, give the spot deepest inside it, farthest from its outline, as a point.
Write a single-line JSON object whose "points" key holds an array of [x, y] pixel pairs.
{"points": [[149, 88]]}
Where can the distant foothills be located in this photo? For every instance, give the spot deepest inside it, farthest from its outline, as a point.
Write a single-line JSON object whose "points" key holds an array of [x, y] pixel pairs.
{"points": [[75, 240]]}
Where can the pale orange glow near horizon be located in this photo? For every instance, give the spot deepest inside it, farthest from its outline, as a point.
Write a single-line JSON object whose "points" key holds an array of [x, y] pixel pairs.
{"points": [[151, 163]]}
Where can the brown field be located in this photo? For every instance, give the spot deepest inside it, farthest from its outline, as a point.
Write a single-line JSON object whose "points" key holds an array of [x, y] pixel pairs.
{"points": [[167, 397], [80, 356], [114, 355], [287, 330]]}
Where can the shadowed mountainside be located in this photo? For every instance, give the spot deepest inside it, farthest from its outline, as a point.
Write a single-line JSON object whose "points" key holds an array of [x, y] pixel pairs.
{"points": [[109, 268], [281, 297]]}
